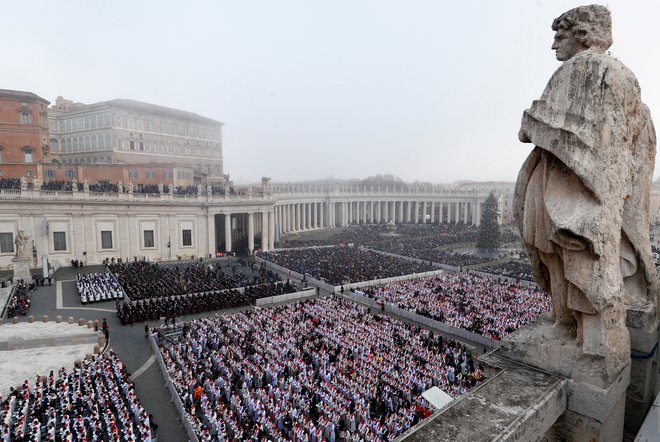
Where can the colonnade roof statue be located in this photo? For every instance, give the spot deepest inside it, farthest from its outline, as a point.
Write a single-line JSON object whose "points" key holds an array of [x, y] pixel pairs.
{"points": [[582, 196]]}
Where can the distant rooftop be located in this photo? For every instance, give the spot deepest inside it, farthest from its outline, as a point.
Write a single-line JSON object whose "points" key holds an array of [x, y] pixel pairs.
{"points": [[21, 95], [64, 105]]}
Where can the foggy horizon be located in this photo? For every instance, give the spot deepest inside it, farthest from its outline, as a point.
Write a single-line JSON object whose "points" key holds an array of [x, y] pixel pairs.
{"points": [[425, 91]]}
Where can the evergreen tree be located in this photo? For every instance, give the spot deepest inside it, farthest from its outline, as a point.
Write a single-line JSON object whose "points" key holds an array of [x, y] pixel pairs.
{"points": [[489, 230]]}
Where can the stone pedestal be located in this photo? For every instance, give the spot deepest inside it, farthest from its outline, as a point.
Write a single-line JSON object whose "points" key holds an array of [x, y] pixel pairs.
{"points": [[642, 325], [22, 270], [596, 385]]}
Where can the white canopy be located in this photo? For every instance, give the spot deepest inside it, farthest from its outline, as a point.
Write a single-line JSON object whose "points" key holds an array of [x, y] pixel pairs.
{"points": [[437, 397]]}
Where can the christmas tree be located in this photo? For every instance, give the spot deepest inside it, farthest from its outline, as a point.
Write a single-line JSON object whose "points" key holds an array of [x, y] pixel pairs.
{"points": [[489, 229]]}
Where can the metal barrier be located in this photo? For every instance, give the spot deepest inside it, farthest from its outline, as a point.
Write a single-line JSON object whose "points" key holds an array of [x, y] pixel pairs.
{"points": [[192, 435], [9, 298], [431, 323]]}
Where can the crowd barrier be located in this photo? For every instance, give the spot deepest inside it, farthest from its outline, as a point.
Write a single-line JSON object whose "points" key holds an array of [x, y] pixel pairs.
{"points": [[337, 288], [308, 293], [421, 261], [431, 323], [12, 290], [192, 435]]}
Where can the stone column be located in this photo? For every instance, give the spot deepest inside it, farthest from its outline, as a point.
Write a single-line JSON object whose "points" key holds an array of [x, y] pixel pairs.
{"points": [[478, 213], [458, 212], [386, 214], [265, 227], [321, 219], [211, 233], [449, 212], [371, 212], [251, 232], [432, 212], [465, 213], [227, 232], [271, 230], [350, 213], [298, 224], [416, 213]]}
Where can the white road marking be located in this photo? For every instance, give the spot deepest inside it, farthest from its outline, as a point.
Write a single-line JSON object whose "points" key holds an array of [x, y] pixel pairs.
{"points": [[59, 305], [144, 368]]}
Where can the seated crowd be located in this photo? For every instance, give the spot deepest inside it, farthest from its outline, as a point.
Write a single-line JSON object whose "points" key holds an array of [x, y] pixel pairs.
{"points": [[95, 287], [145, 280], [171, 307], [322, 370], [340, 265], [93, 402], [19, 304], [519, 269], [484, 305], [422, 241]]}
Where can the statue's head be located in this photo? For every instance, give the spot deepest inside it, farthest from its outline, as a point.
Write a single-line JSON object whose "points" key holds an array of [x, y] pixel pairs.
{"points": [[581, 28]]}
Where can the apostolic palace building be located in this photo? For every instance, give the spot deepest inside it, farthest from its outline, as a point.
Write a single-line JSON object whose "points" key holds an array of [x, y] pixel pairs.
{"points": [[127, 179]]}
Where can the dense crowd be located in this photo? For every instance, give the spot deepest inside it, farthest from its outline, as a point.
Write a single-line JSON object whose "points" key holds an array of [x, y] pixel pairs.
{"points": [[172, 307], [428, 242], [60, 185], [145, 280], [19, 304], [10, 183], [93, 402], [513, 269], [104, 186], [340, 265], [323, 370], [96, 287], [186, 190], [146, 188], [484, 305]]}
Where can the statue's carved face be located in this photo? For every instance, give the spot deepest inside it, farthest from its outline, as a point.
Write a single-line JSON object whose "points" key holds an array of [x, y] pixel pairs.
{"points": [[566, 45]]}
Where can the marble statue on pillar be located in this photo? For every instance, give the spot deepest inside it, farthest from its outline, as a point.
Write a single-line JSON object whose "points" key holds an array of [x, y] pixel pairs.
{"points": [[21, 260], [582, 196], [120, 187], [21, 243], [582, 205]]}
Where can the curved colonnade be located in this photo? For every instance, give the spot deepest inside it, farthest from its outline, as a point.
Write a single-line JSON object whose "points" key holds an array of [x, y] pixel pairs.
{"points": [[93, 226]]}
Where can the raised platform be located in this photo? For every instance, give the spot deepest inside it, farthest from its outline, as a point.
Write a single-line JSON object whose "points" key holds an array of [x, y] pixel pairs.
{"points": [[31, 349], [518, 403]]}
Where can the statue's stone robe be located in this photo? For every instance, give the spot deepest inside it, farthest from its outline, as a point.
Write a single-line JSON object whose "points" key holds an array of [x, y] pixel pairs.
{"points": [[583, 192]]}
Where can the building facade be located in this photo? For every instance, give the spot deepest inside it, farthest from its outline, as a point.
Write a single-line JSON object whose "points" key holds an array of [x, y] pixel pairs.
{"points": [[24, 133], [132, 132]]}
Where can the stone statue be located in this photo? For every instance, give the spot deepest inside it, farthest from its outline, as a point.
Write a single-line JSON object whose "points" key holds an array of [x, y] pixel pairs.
{"points": [[209, 189], [74, 186], [130, 187], [24, 184], [21, 243], [36, 184], [120, 187], [86, 185], [582, 196], [160, 188]]}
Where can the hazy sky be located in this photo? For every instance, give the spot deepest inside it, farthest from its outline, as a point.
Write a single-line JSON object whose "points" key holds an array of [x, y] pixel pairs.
{"points": [[425, 90]]}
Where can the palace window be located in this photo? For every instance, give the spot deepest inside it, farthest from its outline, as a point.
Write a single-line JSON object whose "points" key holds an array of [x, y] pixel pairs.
{"points": [[148, 238], [186, 237], [106, 239], [59, 241], [6, 242], [26, 118]]}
